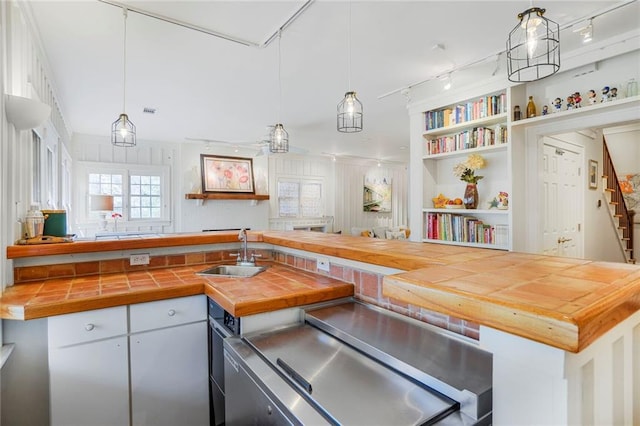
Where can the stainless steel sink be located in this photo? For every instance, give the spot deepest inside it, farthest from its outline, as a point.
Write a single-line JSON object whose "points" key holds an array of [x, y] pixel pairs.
{"points": [[233, 271]]}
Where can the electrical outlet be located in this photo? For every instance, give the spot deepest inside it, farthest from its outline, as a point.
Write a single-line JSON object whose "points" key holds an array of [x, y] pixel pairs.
{"points": [[139, 259], [323, 264]]}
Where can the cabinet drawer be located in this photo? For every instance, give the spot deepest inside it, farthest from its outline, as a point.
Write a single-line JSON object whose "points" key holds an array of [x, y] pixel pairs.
{"points": [[166, 313], [82, 327]]}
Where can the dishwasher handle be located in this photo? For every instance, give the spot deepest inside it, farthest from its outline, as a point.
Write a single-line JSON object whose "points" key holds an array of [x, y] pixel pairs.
{"points": [[294, 375]]}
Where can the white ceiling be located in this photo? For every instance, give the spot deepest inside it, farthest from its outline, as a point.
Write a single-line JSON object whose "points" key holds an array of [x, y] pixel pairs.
{"points": [[210, 88]]}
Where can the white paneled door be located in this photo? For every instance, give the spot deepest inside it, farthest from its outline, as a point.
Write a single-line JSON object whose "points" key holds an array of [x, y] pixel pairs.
{"points": [[562, 201]]}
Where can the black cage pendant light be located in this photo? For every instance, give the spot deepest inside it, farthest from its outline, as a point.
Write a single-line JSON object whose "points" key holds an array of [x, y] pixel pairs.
{"points": [[123, 131], [350, 108], [533, 47], [279, 138]]}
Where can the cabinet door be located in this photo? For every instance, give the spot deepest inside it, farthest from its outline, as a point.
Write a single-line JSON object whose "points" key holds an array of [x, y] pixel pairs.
{"points": [[169, 376], [89, 384]]}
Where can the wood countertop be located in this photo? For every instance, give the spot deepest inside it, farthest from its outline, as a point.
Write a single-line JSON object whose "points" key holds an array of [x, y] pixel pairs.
{"points": [[280, 286], [566, 303], [563, 302]]}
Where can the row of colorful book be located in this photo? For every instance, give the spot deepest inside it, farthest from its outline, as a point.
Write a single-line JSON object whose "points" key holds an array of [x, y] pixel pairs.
{"points": [[475, 138], [459, 228], [474, 110]]}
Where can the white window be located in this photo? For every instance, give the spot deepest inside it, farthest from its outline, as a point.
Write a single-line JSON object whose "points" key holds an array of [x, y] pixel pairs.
{"points": [[300, 198], [140, 193]]}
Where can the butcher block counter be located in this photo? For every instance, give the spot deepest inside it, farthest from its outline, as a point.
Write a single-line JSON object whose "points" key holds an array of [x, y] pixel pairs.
{"points": [[562, 302]]}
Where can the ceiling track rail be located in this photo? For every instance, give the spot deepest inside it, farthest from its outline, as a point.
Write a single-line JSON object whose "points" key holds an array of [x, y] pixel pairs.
{"points": [[211, 32]]}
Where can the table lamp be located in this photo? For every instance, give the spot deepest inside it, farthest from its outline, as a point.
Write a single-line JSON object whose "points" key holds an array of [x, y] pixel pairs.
{"points": [[102, 204]]}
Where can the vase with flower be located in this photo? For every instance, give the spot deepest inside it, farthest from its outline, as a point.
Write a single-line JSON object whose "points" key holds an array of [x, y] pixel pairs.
{"points": [[466, 172]]}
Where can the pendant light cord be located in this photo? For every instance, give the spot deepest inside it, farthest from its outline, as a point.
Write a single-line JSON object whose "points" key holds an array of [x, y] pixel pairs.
{"points": [[124, 66], [279, 78], [349, 49]]}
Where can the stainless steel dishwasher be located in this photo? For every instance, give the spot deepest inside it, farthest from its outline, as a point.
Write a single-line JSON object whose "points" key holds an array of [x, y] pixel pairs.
{"points": [[354, 364]]}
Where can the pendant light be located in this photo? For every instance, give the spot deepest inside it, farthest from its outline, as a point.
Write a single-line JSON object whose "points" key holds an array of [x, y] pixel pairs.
{"points": [[350, 108], [123, 131], [279, 138], [533, 47]]}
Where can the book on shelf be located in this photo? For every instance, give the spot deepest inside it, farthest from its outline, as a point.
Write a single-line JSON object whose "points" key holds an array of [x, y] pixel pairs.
{"points": [[483, 107], [464, 229], [468, 139]]}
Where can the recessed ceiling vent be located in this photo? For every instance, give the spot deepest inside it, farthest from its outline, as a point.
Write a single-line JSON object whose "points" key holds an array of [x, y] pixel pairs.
{"points": [[148, 110]]}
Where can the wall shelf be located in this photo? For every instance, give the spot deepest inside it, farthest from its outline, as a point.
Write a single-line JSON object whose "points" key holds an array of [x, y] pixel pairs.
{"points": [[226, 196]]}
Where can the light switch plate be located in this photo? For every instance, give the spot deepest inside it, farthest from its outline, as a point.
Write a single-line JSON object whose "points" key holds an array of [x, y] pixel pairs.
{"points": [[323, 264], [139, 259]]}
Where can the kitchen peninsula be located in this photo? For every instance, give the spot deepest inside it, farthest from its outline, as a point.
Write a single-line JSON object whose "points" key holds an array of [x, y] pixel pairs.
{"points": [[550, 322]]}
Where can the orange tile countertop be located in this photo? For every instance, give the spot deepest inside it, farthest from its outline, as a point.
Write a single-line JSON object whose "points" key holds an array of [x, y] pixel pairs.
{"points": [[278, 287], [566, 303]]}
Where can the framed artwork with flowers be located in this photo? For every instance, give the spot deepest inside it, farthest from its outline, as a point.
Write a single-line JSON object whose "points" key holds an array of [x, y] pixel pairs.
{"points": [[226, 174]]}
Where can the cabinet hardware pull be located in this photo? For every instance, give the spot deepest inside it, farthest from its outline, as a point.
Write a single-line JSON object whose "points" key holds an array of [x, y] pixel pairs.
{"points": [[89, 327], [171, 312]]}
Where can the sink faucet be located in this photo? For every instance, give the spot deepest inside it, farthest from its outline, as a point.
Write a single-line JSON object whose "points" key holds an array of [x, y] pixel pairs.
{"points": [[243, 258]]}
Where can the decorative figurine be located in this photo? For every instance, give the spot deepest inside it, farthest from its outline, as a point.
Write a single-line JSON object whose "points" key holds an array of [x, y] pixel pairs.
{"points": [[592, 97], [516, 113], [570, 102], [614, 93], [605, 94], [531, 108], [545, 110], [577, 99], [503, 199], [557, 104]]}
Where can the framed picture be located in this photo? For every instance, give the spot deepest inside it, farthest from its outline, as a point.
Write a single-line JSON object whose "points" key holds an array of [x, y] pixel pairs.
{"points": [[377, 194], [593, 174], [226, 174]]}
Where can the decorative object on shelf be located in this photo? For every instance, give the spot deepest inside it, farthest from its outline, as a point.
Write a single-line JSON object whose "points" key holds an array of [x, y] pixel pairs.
{"points": [[516, 113], [465, 171], [503, 200], [226, 174], [545, 110], [614, 94], [593, 174], [279, 138], [440, 201], [531, 108], [592, 97], [605, 94], [123, 131], [557, 104], [577, 99], [455, 204], [470, 199], [570, 102], [632, 88], [350, 108], [533, 47], [102, 204]]}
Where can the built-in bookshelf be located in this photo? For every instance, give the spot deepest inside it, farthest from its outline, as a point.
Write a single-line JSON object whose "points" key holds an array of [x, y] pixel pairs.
{"points": [[467, 227], [451, 133]]}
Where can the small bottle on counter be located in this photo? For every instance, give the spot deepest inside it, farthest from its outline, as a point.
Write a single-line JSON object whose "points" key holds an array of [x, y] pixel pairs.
{"points": [[531, 108]]}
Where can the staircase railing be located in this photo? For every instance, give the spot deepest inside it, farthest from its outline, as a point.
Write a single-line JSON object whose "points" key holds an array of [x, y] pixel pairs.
{"points": [[625, 216]]}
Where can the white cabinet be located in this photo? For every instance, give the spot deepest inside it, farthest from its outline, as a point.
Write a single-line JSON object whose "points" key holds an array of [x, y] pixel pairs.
{"points": [[450, 135], [143, 364], [169, 379], [89, 371]]}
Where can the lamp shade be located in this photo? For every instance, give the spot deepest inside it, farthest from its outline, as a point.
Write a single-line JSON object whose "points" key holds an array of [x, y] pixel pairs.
{"points": [[101, 203], [533, 47], [26, 113], [350, 114]]}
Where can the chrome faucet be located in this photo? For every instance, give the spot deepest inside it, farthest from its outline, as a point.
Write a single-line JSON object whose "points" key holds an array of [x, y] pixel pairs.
{"points": [[243, 258]]}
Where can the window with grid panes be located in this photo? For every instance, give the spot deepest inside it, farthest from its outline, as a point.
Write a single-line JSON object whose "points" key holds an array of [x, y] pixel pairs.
{"points": [[299, 198]]}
